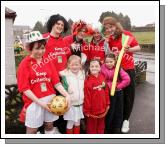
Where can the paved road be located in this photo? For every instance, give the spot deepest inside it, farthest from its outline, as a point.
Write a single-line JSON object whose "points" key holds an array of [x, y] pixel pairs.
{"points": [[150, 59], [142, 120]]}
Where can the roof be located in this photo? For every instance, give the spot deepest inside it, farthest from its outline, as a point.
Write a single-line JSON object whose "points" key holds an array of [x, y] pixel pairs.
{"points": [[10, 13]]}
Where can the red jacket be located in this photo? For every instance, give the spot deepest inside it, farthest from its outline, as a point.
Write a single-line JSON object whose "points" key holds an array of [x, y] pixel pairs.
{"points": [[96, 51], [116, 45], [58, 52], [96, 98]]}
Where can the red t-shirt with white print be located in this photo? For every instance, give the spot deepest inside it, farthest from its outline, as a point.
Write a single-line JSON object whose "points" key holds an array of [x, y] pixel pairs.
{"points": [[58, 52], [116, 46], [40, 79]]}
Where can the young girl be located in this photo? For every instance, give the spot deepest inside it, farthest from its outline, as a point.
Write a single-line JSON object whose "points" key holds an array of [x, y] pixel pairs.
{"points": [[73, 78], [96, 100], [114, 116]]}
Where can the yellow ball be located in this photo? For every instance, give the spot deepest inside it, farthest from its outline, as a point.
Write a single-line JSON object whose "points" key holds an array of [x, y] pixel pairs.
{"points": [[58, 105]]}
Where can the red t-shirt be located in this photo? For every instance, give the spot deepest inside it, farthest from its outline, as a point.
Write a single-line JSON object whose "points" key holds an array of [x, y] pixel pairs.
{"points": [[96, 51], [40, 79], [96, 98], [58, 52], [116, 46]]}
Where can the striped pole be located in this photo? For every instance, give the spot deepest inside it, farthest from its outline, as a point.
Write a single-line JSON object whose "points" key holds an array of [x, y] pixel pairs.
{"points": [[125, 39]]}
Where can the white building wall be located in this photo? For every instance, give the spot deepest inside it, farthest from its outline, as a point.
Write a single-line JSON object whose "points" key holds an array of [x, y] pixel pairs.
{"points": [[10, 71]]}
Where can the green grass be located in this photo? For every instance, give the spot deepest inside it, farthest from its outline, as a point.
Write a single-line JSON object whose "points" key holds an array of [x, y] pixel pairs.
{"points": [[145, 37], [142, 37]]}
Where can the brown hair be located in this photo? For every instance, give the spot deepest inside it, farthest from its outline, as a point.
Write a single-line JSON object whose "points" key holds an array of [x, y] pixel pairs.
{"points": [[113, 21], [97, 60], [113, 56], [40, 43]]}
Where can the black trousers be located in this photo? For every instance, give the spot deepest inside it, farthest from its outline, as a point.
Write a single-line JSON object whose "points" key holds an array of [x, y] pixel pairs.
{"points": [[114, 117], [129, 95]]}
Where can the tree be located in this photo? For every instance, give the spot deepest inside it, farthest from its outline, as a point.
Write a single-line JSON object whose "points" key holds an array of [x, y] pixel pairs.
{"points": [[39, 27], [70, 22], [127, 23], [103, 15], [45, 28]]}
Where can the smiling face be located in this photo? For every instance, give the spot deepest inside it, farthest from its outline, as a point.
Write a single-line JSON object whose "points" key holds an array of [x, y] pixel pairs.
{"points": [[74, 65], [110, 29], [38, 50], [81, 34], [96, 35], [110, 62], [58, 27], [94, 68]]}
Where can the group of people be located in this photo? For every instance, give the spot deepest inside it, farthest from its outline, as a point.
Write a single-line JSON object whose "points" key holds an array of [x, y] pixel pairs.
{"points": [[80, 72]]}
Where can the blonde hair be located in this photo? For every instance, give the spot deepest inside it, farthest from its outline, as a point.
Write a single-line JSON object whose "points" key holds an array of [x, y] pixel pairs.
{"points": [[74, 57]]}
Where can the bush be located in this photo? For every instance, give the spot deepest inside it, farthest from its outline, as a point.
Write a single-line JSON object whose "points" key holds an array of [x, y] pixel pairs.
{"points": [[13, 106]]}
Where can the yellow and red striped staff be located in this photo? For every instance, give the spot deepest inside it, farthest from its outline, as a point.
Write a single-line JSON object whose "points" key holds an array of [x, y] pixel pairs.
{"points": [[125, 39]]}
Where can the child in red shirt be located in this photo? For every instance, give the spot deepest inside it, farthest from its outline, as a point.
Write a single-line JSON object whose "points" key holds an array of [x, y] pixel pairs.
{"points": [[37, 78], [96, 100]]}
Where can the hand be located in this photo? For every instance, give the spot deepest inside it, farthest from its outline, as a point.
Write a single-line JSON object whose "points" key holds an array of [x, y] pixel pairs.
{"points": [[68, 102], [87, 115], [102, 61], [91, 116], [44, 105], [105, 113], [117, 85], [127, 47]]}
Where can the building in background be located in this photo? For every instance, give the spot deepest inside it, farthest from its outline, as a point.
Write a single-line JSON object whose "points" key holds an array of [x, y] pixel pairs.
{"points": [[20, 31], [10, 71]]}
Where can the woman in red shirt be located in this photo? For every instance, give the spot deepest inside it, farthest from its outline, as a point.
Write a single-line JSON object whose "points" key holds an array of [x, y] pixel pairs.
{"points": [[75, 41], [37, 77], [112, 26], [56, 49], [96, 46], [96, 100]]}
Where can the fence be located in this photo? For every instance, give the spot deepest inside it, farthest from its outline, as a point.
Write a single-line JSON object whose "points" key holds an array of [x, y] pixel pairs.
{"points": [[148, 48]]}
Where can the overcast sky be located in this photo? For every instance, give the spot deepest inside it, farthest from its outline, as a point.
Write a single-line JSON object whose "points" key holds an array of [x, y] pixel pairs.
{"points": [[140, 15]]}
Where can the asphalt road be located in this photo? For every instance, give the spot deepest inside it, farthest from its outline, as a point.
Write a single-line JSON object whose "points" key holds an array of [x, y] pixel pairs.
{"points": [[142, 120]]}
